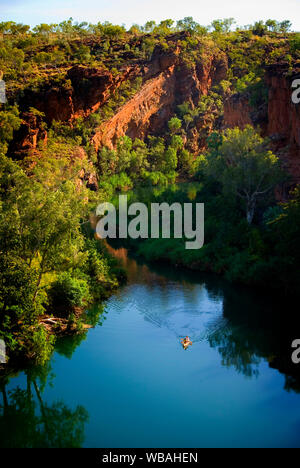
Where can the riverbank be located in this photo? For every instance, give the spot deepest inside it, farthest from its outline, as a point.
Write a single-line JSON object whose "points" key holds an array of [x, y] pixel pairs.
{"points": [[66, 310], [263, 255], [133, 368]]}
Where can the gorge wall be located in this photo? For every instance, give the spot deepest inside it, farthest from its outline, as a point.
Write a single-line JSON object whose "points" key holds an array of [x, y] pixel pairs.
{"points": [[167, 80], [279, 119]]}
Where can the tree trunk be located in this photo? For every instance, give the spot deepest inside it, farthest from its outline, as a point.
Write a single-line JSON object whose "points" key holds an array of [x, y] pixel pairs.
{"points": [[43, 410], [5, 399], [250, 210], [37, 286]]}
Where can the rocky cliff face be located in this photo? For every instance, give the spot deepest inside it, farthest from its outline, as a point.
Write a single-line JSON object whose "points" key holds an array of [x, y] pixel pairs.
{"points": [[279, 120], [150, 108], [237, 112], [83, 92], [284, 120], [168, 81], [91, 87], [29, 134]]}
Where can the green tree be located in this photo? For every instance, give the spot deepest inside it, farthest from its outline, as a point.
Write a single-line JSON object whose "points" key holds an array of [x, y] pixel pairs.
{"points": [[9, 122], [164, 27], [284, 236], [40, 234], [272, 25], [285, 26], [43, 29], [259, 28], [245, 167], [188, 24], [149, 26], [223, 25], [174, 125]]}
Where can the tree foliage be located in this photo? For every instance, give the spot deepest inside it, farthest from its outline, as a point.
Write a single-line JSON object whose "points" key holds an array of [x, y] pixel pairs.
{"points": [[244, 166]]}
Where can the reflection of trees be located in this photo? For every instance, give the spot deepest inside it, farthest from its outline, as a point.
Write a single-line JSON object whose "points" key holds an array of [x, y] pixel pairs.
{"points": [[67, 345], [285, 366], [256, 329], [235, 350], [27, 421], [239, 345], [254, 325], [292, 383]]}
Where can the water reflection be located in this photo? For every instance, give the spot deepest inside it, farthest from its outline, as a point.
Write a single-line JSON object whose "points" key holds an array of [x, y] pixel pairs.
{"points": [[246, 326], [27, 421], [131, 371]]}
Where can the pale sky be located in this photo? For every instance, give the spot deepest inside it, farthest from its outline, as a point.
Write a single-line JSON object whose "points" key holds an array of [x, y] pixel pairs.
{"points": [[139, 11]]}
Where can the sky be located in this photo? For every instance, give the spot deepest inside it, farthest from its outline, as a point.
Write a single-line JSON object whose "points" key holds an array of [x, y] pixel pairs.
{"points": [[127, 12]]}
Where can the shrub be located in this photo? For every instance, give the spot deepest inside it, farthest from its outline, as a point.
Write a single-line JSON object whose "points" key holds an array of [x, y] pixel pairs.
{"points": [[67, 293], [295, 44]]}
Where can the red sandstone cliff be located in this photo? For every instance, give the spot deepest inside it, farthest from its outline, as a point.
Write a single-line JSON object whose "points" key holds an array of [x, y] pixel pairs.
{"points": [[85, 90], [29, 134], [280, 120], [150, 108], [237, 112], [167, 82]]}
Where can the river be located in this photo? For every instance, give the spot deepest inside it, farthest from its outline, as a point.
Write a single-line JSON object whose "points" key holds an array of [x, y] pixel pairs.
{"points": [[129, 382]]}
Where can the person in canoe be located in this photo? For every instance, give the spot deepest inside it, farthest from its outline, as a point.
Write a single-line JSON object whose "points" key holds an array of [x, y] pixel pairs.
{"points": [[186, 342]]}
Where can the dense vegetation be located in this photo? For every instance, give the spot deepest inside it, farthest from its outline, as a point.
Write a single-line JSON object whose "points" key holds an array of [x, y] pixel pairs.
{"points": [[50, 263], [28, 58]]}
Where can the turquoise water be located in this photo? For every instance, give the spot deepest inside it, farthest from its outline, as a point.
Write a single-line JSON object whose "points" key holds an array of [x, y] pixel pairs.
{"points": [[130, 383]]}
